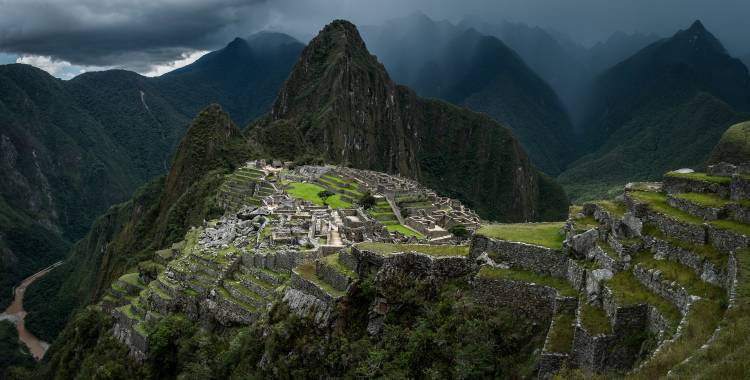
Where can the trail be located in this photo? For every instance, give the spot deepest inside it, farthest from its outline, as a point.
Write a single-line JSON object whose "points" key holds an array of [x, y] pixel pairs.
{"points": [[16, 313]]}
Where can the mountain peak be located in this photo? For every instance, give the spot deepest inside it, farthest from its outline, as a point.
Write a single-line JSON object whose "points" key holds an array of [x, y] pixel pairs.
{"points": [[697, 27]]}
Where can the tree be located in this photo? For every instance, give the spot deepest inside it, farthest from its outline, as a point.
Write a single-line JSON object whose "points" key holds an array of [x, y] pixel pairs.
{"points": [[325, 194], [459, 231], [367, 201]]}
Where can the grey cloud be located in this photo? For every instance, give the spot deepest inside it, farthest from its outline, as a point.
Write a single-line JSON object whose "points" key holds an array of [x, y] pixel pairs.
{"points": [[141, 33], [124, 32]]}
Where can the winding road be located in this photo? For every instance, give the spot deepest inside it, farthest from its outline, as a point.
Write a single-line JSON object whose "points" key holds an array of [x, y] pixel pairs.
{"points": [[15, 313]]}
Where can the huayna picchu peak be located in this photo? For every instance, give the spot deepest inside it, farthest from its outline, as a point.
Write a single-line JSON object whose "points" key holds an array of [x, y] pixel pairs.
{"points": [[339, 105], [478, 190]]}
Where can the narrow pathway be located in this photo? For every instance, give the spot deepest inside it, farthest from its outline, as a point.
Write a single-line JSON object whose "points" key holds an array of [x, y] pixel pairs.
{"points": [[335, 237], [396, 210], [16, 313]]}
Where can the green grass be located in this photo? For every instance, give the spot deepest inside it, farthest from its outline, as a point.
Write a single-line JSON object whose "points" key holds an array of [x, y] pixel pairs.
{"points": [[658, 202], [733, 226], [613, 207], [705, 200], [628, 291], [702, 320], [700, 177], [608, 250], [583, 224], [542, 234], [726, 357], [561, 335], [561, 285], [225, 294], [685, 276], [432, 250], [132, 279], [309, 192], [307, 271], [707, 251], [404, 230], [595, 320], [333, 261]]}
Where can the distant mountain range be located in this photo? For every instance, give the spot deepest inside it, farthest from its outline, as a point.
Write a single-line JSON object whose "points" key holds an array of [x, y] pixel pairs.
{"points": [[466, 68], [566, 65], [661, 109]]}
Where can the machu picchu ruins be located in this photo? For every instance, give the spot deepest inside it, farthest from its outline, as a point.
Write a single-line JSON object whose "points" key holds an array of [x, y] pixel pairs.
{"points": [[617, 284]]}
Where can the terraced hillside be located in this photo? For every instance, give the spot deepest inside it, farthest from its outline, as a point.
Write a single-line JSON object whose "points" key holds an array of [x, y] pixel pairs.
{"points": [[639, 285], [645, 285]]}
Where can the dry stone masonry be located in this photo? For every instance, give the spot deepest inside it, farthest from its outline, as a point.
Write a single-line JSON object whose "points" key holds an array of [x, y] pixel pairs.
{"points": [[614, 283]]}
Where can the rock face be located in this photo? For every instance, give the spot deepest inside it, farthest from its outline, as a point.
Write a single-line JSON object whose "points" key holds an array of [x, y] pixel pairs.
{"points": [[340, 105]]}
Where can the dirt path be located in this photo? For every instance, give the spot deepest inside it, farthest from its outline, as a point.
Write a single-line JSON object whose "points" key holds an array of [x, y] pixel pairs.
{"points": [[15, 312]]}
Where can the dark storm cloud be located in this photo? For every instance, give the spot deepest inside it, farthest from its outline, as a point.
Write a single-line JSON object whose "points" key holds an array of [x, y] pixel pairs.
{"points": [[123, 32], [139, 34]]}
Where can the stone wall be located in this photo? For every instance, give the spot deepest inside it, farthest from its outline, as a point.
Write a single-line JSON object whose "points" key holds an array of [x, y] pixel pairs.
{"points": [[338, 280], [306, 305], [726, 241], [707, 213], [740, 187], [576, 275], [541, 260], [653, 280], [674, 185], [707, 270], [532, 300], [693, 233]]}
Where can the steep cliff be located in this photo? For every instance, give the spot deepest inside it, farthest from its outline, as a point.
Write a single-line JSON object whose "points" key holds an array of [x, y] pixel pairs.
{"points": [[340, 105], [158, 214]]}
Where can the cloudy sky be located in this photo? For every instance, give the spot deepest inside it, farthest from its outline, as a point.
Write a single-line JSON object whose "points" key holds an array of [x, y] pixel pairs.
{"points": [[67, 37]]}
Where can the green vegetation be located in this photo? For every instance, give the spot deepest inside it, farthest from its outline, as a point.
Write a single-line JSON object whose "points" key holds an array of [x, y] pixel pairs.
{"points": [[307, 271], [685, 276], [734, 146], [561, 285], [705, 250], [404, 230], [706, 200], [614, 207], [584, 223], [726, 356], [702, 320], [594, 319], [432, 250], [561, 335], [459, 231], [543, 234], [703, 177], [333, 261], [367, 201], [731, 225], [12, 351], [629, 291], [311, 193], [658, 203]]}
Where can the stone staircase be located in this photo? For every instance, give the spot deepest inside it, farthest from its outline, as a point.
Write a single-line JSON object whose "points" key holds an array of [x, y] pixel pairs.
{"points": [[246, 186], [317, 287], [640, 266]]}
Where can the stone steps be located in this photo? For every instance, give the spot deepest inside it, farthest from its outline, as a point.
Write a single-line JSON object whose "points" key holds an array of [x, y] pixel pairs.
{"points": [[331, 271], [674, 183], [264, 274], [240, 292], [230, 310], [264, 288], [704, 206]]}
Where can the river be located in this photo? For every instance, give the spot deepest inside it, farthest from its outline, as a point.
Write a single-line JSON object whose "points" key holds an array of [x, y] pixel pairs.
{"points": [[16, 313]]}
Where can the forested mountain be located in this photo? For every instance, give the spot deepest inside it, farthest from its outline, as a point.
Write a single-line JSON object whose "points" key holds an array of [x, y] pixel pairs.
{"points": [[70, 149], [566, 65], [663, 108], [466, 68], [360, 117]]}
